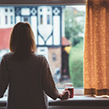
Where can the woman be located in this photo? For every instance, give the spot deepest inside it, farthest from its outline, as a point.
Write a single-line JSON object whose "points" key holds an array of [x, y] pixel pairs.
{"points": [[26, 73]]}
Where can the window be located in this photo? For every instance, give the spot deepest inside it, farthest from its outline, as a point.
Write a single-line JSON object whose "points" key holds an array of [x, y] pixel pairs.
{"points": [[43, 51], [41, 19], [48, 9], [6, 10], [40, 10], [48, 19], [11, 10], [72, 22], [25, 19], [6, 19], [11, 18], [54, 57], [74, 32]]}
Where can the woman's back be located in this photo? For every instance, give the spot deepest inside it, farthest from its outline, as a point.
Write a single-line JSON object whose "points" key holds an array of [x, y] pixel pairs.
{"points": [[27, 74], [25, 82]]}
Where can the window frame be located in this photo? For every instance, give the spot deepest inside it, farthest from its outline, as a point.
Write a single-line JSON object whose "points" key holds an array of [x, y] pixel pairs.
{"points": [[77, 91], [42, 2]]}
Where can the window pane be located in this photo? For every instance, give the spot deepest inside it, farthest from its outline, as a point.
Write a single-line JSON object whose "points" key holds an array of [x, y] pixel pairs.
{"points": [[6, 19], [74, 32], [25, 19], [11, 17], [40, 10], [6, 10], [11, 10], [54, 57], [48, 19], [62, 25], [48, 9], [41, 19]]}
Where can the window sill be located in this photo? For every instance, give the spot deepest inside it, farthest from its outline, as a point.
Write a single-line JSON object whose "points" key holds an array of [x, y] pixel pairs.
{"points": [[75, 101], [3, 101], [81, 101]]}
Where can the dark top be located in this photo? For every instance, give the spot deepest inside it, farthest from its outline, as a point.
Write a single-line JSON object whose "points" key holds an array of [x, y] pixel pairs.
{"points": [[28, 82]]}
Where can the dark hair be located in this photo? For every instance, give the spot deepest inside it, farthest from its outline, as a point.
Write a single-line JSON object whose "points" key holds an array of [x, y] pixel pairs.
{"points": [[22, 42]]}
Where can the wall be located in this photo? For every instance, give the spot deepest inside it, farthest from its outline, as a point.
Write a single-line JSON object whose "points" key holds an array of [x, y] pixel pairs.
{"points": [[57, 63]]}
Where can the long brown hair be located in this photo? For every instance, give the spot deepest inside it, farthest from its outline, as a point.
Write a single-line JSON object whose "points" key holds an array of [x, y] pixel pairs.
{"points": [[22, 42]]}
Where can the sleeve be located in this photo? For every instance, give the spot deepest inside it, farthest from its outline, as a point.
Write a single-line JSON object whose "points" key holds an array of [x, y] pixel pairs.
{"points": [[47, 81], [4, 78]]}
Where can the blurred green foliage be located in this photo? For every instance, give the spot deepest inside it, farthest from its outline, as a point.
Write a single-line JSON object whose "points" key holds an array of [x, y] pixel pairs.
{"points": [[74, 25], [74, 32], [76, 64]]}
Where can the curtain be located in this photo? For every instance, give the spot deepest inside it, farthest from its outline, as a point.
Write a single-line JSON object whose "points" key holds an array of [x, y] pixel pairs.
{"points": [[96, 48]]}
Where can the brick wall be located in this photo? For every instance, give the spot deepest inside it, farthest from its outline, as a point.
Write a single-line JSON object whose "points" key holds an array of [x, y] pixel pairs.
{"points": [[54, 63]]}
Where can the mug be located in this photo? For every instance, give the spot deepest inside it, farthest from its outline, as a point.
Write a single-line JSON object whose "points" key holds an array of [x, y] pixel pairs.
{"points": [[69, 86]]}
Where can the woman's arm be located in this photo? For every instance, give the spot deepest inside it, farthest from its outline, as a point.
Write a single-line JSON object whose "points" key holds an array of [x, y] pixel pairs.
{"points": [[48, 83], [65, 95], [4, 78]]}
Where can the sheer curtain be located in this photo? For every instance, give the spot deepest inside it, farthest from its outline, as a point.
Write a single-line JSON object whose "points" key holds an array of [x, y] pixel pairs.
{"points": [[96, 48]]}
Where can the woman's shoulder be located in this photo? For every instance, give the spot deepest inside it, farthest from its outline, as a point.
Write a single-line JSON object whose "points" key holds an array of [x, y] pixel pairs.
{"points": [[7, 55], [39, 56]]}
